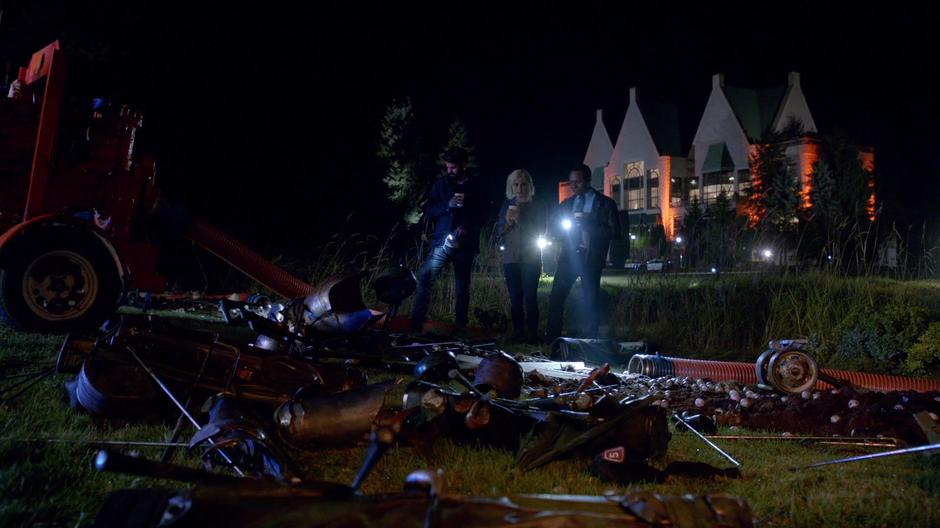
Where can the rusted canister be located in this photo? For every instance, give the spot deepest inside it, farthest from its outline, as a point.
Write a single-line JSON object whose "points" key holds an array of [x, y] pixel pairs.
{"points": [[331, 419]]}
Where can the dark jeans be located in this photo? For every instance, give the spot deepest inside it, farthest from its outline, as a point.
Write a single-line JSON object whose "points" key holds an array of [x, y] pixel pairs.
{"points": [[522, 281], [572, 265], [430, 269]]}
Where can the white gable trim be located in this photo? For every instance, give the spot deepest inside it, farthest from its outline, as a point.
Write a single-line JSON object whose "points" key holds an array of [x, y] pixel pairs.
{"points": [[600, 148], [719, 124], [794, 105]]}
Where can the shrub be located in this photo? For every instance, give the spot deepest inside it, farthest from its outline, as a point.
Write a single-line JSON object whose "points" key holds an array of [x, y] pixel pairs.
{"points": [[879, 340], [924, 356]]}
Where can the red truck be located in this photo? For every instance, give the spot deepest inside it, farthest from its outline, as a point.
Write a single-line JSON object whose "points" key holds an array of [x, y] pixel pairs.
{"points": [[76, 209]]}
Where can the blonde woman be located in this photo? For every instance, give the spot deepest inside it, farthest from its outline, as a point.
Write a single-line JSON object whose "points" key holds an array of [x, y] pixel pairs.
{"points": [[520, 224]]}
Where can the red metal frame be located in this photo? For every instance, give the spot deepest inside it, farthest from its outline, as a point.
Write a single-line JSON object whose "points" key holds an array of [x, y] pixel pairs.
{"points": [[48, 63], [114, 180]]}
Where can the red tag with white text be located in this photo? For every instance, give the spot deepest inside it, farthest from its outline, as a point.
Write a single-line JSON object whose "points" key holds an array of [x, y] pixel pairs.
{"points": [[614, 454]]}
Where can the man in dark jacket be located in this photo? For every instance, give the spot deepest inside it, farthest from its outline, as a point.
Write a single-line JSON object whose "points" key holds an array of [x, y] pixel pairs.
{"points": [[457, 205], [584, 225]]}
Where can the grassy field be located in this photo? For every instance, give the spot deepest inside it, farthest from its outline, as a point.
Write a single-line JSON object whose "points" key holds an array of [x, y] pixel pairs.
{"points": [[53, 484]]}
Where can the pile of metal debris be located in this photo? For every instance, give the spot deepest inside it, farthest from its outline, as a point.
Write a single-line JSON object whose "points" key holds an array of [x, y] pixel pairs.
{"points": [[280, 377]]}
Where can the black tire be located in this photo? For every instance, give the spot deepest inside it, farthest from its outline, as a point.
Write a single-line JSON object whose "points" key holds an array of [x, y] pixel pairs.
{"points": [[57, 280]]}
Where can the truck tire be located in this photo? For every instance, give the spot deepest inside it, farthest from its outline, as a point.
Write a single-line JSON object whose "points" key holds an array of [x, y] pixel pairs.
{"points": [[58, 280]]}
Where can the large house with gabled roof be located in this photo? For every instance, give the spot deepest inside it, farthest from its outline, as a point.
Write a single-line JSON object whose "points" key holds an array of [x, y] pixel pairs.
{"points": [[646, 158], [652, 181]]}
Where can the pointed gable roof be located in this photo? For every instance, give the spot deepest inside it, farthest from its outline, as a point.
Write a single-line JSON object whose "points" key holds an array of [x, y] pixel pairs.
{"points": [[760, 111], [794, 106], [662, 121], [600, 148], [755, 109]]}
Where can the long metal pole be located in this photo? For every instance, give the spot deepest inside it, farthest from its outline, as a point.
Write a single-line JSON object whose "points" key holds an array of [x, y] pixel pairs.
{"points": [[909, 450], [166, 390], [128, 443], [707, 441], [182, 408], [832, 440]]}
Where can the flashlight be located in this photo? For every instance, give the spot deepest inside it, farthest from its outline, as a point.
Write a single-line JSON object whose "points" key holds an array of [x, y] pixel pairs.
{"points": [[566, 224]]}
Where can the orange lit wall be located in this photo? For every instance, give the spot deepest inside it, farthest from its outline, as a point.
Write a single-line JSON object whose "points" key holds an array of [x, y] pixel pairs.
{"points": [[809, 155], [665, 188]]}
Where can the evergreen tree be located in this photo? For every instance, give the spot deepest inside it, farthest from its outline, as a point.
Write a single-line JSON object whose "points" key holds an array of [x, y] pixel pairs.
{"points": [[398, 150], [773, 200], [458, 137], [838, 220], [824, 202], [693, 230]]}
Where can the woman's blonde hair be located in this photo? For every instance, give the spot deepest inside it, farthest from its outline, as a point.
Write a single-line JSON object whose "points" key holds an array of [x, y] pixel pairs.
{"points": [[519, 173]]}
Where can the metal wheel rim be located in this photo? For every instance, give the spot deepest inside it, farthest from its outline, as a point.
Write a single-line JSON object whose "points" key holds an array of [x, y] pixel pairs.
{"points": [[60, 285], [792, 371]]}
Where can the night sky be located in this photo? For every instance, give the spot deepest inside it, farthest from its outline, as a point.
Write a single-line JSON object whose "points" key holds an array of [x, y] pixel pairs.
{"points": [[265, 116]]}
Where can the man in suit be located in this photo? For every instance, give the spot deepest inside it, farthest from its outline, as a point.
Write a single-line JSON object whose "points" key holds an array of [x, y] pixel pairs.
{"points": [[584, 224]]}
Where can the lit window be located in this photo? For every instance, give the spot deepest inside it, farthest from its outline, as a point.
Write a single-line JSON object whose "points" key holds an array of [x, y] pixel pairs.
{"points": [[653, 188], [717, 183], [676, 192], [744, 180], [633, 173]]}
